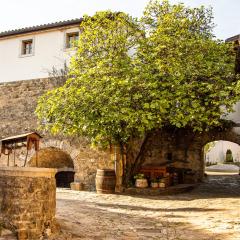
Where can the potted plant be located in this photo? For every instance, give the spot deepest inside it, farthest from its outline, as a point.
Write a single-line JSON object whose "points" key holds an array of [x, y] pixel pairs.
{"points": [[140, 181], [162, 182], [229, 157], [154, 183]]}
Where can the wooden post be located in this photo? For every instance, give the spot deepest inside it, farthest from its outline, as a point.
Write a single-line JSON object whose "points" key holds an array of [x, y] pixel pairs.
{"points": [[118, 168], [8, 157], [14, 154], [36, 144], [25, 162], [37, 158]]}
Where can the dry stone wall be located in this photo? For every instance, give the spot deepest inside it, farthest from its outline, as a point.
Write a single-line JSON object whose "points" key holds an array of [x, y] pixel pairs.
{"points": [[28, 201], [18, 101], [183, 148]]}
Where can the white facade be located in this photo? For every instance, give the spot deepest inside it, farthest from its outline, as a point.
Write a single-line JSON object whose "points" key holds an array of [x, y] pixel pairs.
{"points": [[235, 116], [48, 50]]}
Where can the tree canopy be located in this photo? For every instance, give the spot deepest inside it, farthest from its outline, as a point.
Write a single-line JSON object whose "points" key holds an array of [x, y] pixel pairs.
{"points": [[130, 76]]}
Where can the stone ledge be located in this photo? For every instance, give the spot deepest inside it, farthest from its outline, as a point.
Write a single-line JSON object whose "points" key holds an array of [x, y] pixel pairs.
{"points": [[28, 172], [66, 169], [180, 188]]}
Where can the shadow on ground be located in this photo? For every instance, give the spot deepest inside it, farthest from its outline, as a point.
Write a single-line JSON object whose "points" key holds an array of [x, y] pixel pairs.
{"points": [[214, 186], [81, 220], [209, 212]]}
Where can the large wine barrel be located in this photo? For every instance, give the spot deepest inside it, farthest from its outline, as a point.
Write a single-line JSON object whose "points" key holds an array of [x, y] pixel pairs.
{"points": [[105, 181]]}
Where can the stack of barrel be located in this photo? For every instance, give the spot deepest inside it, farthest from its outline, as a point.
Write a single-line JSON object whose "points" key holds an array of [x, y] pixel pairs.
{"points": [[105, 181]]}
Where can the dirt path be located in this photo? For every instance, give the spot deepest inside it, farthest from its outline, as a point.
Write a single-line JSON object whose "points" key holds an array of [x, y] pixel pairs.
{"points": [[211, 211]]}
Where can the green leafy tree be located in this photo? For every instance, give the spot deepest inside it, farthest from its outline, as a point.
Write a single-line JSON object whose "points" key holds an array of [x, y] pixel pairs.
{"points": [[129, 78], [187, 67], [97, 101], [207, 148]]}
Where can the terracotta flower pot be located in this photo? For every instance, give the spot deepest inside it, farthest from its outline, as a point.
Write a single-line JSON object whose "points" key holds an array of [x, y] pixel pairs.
{"points": [[154, 185], [141, 183]]}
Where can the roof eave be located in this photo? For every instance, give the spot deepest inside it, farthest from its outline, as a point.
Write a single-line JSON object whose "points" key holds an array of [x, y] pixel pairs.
{"points": [[40, 28], [234, 38]]}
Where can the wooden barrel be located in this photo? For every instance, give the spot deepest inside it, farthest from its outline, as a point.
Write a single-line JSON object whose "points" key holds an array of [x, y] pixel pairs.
{"points": [[105, 181]]}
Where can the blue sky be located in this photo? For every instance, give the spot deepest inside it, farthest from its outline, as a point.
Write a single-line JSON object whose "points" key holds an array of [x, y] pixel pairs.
{"points": [[22, 13]]}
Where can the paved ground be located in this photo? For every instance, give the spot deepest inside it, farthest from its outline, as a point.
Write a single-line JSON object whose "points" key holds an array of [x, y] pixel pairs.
{"points": [[211, 211]]}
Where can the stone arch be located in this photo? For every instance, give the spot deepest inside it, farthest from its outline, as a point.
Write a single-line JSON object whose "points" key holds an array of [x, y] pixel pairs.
{"points": [[228, 134], [231, 135], [52, 157]]}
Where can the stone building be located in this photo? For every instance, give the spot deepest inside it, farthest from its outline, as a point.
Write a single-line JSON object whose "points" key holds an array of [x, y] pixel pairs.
{"points": [[26, 56]]}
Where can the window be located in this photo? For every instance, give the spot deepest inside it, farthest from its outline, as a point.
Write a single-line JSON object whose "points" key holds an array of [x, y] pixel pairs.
{"points": [[71, 39], [27, 47]]}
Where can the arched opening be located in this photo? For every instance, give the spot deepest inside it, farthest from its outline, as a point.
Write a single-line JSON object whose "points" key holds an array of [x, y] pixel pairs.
{"points": [[52, 157], [222, 157], [64, 179]]}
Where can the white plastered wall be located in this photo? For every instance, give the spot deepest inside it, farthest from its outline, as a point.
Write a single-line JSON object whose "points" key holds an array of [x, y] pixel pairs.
{"points": [[48, 51], [218, 152]]}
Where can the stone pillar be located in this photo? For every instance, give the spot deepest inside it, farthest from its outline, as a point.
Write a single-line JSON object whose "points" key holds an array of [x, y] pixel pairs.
{"points": [[28, 201]]}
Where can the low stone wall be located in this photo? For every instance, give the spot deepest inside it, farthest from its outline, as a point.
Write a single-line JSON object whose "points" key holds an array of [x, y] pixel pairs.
{"points": [[28, 201]]}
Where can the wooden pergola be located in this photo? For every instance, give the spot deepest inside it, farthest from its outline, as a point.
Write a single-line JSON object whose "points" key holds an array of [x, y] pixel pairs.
{"points": [[11, 144]]}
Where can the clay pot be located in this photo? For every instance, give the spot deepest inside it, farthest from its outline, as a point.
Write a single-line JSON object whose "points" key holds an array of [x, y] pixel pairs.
{"points": [[162, 185], [154, 185], [141, 183]]}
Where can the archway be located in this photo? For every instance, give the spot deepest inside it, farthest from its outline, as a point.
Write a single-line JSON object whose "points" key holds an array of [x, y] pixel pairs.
{"points": [[52, 157], [222, 157], [64, 178]]}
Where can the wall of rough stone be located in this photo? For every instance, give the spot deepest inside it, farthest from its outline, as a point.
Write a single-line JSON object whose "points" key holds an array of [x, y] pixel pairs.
{"points": [[175, 149], [185, 148], [18, 101], [28, 201]]}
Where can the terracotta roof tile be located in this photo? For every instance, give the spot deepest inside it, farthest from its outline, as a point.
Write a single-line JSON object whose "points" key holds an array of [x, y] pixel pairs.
{"points": [[234, 38], [40, 27]]}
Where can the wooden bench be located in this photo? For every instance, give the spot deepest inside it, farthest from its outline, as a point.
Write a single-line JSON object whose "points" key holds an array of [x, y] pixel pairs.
{"points": [[153, 172]]}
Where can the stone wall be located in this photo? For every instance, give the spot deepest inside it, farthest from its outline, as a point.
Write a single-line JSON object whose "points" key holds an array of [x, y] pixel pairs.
{"points": [[183, 148], [18, 101], [28, 201]]}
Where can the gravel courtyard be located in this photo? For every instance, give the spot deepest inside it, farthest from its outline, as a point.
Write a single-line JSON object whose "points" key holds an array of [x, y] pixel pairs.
{"points": [[211, 211]]}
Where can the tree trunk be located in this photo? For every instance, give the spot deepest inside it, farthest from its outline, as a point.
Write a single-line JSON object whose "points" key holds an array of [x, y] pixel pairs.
{"points": [[133, 165]]}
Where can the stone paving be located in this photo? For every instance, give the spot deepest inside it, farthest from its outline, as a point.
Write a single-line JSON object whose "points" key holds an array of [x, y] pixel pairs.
{"points": [[209, 212]]}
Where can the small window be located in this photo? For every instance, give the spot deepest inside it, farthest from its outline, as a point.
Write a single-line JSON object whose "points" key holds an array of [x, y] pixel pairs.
{"points": [[27, 47], [71, 39]]}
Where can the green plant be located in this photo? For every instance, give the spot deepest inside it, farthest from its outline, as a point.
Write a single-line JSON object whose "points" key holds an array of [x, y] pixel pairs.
{"points": [[229, 156], [139, 176], [178, 76]]}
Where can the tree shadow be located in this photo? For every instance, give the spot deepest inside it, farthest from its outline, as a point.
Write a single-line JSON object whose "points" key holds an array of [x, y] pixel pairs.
{"points": [[214, 187], [93, 220], [138, 208]]}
